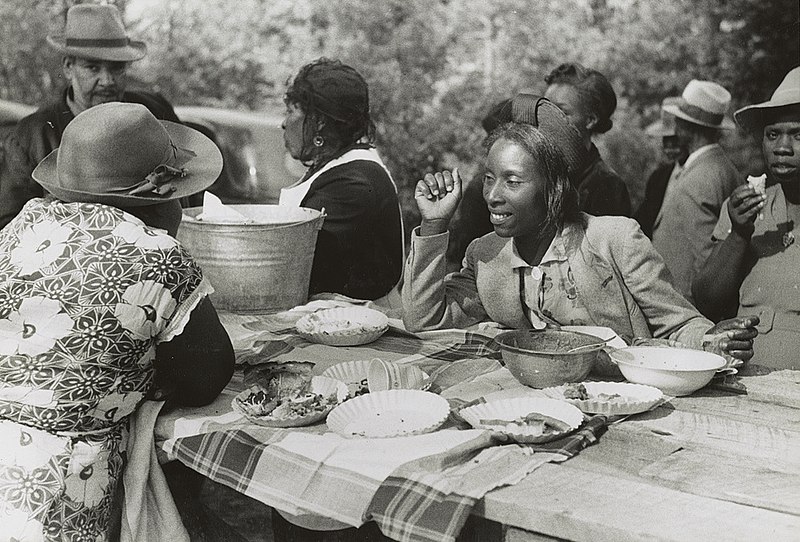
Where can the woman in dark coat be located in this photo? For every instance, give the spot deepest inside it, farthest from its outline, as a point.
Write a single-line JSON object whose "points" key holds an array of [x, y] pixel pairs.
{"points": [[588, 100], [359, 250]]}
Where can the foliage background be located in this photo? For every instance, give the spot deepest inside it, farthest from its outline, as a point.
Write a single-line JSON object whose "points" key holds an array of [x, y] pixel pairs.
{"points": [[436, 66]]}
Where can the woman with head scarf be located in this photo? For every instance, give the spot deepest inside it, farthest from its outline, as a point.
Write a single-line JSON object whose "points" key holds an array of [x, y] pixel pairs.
{"points": [[589, 100], [99, 305], [546, 262], [328, 127]]}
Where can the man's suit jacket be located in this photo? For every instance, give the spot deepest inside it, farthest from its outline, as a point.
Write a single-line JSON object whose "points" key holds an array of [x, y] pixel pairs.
{"points": [[682, 233], [621, 281]]}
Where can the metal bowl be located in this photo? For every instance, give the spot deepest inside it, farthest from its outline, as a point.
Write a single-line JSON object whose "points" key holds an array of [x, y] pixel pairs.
{"points": [[675, 371], [539, 358]]}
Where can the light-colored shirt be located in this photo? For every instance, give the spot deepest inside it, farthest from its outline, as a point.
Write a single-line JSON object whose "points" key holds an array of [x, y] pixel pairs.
{"points": [[549, 289]]}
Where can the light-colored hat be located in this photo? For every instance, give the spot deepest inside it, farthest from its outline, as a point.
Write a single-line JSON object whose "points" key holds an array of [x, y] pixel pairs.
{"points": [[787, 93], [96, 31], [554, 125], [120, 154], [704, 103], [665, 126]]}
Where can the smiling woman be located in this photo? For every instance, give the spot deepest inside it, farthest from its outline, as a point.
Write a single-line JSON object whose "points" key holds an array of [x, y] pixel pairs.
{"points": [[545, 263]]}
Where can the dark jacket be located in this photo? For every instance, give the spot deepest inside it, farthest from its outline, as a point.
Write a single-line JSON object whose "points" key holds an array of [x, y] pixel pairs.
{"points": [[601, 191], [359, 249], [37, 135], [653, 197]]}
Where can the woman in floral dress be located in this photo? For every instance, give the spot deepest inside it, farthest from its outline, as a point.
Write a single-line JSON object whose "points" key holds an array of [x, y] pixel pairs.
{"points": [[97, 304]]}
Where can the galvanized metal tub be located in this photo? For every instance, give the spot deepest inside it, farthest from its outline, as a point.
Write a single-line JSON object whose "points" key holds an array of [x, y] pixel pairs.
{"points": [[263, 265]]}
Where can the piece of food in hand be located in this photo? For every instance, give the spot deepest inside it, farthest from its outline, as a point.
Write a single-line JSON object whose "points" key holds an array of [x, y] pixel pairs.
{"points": [[759, 184]]}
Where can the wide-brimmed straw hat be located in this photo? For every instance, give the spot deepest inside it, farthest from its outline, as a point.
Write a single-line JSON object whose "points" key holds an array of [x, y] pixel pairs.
{"points": [[704, 103], [120, 154], [553, 123], [787, 94], [665, 126], [96, 31]]}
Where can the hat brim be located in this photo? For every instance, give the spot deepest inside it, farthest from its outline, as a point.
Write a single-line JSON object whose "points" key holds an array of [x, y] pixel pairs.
{"points": [[201, 172], [726, 124], [749, 117], [135, 50]]}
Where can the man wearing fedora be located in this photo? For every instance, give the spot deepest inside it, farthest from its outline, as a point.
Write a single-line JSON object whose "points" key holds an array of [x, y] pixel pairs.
{"points": [[692, 201], [675, 154], [754, 267], [96, 52]]}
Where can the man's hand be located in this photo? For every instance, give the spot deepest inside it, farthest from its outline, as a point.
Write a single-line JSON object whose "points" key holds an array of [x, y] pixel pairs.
{"points": [[743, 208], [734, 337], [437, 195]]}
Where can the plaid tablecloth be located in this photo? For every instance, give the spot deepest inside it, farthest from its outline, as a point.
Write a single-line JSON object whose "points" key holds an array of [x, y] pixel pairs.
{"points": [[416, 488]]}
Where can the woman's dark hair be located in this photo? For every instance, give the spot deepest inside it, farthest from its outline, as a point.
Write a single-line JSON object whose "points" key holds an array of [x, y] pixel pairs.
{"points": [[561, 196], [592, 86], [335, 100]]}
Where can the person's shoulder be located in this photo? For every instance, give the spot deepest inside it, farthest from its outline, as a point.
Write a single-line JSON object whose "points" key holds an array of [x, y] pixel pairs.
{"points": [[158, 105], [608, 227], [44, 116]]}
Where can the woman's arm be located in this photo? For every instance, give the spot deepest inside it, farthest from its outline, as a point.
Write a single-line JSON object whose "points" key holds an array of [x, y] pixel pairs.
{"points": [[195, 366], [429, 300], [716, 286]]}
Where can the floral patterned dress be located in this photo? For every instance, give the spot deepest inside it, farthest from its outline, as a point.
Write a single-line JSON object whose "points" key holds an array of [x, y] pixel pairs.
{"points": [[86, 293]]}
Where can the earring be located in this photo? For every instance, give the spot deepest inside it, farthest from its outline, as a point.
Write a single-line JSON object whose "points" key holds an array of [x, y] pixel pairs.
{"points": [[318, 141]]}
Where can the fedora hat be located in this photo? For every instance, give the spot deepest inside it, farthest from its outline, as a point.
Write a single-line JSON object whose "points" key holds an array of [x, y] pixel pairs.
{"points": [[665, 126], [553, 123], [96, 31], [787, 93], [120, 154], [704, 103]]}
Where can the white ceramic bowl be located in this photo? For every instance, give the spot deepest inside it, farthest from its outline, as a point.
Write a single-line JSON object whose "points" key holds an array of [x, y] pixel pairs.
{"points": [[519, 407], [675, 371], [346, 326], [390, 413]]}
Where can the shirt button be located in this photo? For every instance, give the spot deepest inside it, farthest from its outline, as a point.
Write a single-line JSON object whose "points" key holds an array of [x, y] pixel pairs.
{"points": [[536, 273]]}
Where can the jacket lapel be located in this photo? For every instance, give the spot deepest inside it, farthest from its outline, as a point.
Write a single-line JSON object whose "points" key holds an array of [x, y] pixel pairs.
{"points": [[500, 281]]}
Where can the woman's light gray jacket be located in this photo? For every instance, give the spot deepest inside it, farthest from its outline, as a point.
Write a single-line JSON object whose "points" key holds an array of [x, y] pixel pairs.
{"points": [[621, 281]]}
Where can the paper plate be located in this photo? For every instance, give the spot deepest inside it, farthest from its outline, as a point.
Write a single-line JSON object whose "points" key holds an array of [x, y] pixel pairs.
{"points": [[631, 398], [353, 374], [321, 385], [390, 413], [345, 326], [518, 407]]}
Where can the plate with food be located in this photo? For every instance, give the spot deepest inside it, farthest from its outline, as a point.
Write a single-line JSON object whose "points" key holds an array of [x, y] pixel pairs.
{"points": [[608, 398], [527, 420], [389, 413], [353, 373], [343, 326], [276, 403]]}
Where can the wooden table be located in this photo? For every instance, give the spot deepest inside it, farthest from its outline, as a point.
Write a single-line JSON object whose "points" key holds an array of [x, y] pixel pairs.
{"points": [[711, 466]]}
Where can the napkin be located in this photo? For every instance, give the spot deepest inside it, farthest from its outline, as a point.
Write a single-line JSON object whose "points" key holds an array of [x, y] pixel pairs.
{"points": [[214, 209]]}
